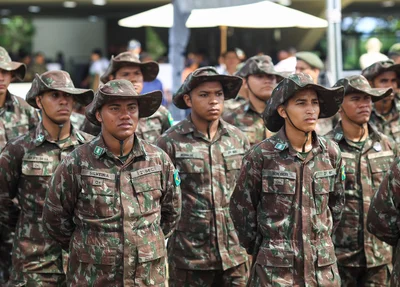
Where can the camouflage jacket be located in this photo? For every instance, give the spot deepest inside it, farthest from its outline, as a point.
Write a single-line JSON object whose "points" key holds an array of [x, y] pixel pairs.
{"points": [[365, 168], [285, 208], [16, 119], [205, 238], [249, 122], [384, 215], [26, 165], [113, 217], [77, 120], [391, 125], [232, 104], [148, 129]]}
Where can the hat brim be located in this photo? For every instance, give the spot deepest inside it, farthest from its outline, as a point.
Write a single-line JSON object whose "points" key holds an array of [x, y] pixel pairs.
{"points": [[230, 85], [82, 96], [149, 69], [18, 68], [375, 93], [148, 103], [329, 103]]}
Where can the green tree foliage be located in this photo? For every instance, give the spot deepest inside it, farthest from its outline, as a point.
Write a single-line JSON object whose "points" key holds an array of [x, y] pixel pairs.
{"points": [[17, 33]]}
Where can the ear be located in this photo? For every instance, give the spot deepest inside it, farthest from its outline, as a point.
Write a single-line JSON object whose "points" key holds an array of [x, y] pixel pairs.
{"points": [[111, 77], [98, 116], [188, 100], [38, 103], [281, 111]]}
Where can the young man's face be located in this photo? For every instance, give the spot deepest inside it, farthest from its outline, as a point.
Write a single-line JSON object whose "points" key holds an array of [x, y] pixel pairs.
{"points": [[261, 85], [119, 117], [5, 80], [206, 101], [56, 105], [302, 109], [231, 60], [303, 67], [133, 74], [357, 107], [385, 80]]}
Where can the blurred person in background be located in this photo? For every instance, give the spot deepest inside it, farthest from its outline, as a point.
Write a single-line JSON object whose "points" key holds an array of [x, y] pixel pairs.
{"points": [[288, 64], [97, 68], [394, 53], [134, 47], [373, 47], [38, 66]]}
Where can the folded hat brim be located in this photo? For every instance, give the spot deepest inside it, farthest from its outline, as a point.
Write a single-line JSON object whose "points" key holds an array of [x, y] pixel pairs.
{"points": [[376, 94], [18, 68], [149, 69]]}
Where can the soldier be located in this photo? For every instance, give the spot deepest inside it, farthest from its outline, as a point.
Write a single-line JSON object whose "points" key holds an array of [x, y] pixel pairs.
{"points": [[26, 164], [384, 215], [127, 66], [386, 113], [367, 154], [16, 118], [260, 79], [289, 195], [113, 201], [205, 250]]}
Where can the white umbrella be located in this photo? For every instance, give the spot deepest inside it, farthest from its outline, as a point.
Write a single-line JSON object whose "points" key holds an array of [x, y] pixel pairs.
{"points": [[264, 14]]}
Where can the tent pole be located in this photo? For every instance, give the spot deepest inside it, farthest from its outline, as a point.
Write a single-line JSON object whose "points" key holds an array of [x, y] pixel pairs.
{"points": [[224, 38]]}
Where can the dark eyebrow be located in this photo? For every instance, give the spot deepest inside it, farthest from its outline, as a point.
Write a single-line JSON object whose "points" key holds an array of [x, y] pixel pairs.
{"points": [[116, 105], [300, 100]]}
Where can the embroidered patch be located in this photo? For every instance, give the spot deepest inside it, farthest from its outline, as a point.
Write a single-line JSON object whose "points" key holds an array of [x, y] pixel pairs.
{"points": [[377, 146], [40, 138], [280, 146], [338, 136], [343, 173], [177, 178], [98, 150], [170, 119]]}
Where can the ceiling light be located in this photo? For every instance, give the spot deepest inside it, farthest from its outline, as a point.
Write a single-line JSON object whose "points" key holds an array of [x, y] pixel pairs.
{"points": [[93, 19], [99, 2], [388, 4], [69, 4], [34, 9]]}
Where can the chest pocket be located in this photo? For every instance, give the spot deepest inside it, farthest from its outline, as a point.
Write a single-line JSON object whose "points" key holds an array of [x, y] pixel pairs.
{"points": [[279, 188], [16, 126], [38, 165], [97, 197], [189, 162], [233, 163], [324, 182], [351, 186], [147, 185], [379, 163]]}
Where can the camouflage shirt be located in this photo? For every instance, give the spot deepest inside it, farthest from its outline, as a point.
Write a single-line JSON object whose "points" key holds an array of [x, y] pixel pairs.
{"points": [[205, 238], [26, 165], [16, 118], [113, 216], [77, 119], [285, 207], [148, 129], [365, 168], [391, 125], [232, 104], [249, 122], [384, 215]]}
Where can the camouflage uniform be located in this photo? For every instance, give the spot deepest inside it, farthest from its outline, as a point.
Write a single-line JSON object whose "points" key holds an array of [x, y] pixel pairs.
{"points": [[286, 204], [390, 124], [112, 215], [232, 104], [355, 247], [205, 248], [244, 116], [384, 215], [77, 120], [16, 118]]}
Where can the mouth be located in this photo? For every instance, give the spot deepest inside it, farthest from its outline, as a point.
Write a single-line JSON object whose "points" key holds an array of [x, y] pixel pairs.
{"points": [[213, 111], [63, 111], [364, 112], [125, 125], [310, 120]]}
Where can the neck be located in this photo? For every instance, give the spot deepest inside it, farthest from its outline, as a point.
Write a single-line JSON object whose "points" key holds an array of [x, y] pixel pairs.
{"points": [[231, 71], [3, 99], [353, 131], [54, 130], [257, 104], [297, 138], [114, 145], [207, 128]]}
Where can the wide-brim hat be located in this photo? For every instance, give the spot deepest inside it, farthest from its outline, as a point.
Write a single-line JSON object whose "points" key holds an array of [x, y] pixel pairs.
{"points": [[149, 69], [230, 84], [359, 84], [374, 70], [311, 59], [57, 81], [329, 99], [123, 89], [259, 65], [7, 64]]}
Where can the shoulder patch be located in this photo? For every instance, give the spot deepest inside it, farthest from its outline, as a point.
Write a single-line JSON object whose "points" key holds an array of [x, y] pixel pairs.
{"points": [[338, 136], [98, 151], [343, 173], [177, 178], [280, 146], [80, 137], [170, 119]]}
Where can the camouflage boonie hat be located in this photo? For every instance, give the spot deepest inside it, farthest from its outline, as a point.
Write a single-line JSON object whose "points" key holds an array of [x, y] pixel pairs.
{"points": [[259, 65], [123, 89], [394, 50], [371, 72], [149, 69], [311, 59], [329, 99], [230, 84], [57, 81], [7, 65], [359, 84]]}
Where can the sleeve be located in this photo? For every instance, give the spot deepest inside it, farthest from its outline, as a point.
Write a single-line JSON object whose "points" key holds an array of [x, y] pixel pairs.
{"points": [[10, 172], [245, 199], [384, 211], [60, 202], [167, 121], [33, 115], [337, 197], [171, 201]]}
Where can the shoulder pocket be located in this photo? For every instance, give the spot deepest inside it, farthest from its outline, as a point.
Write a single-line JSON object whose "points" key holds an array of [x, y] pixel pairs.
{"points": [[379, 163], [324, 183]]}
